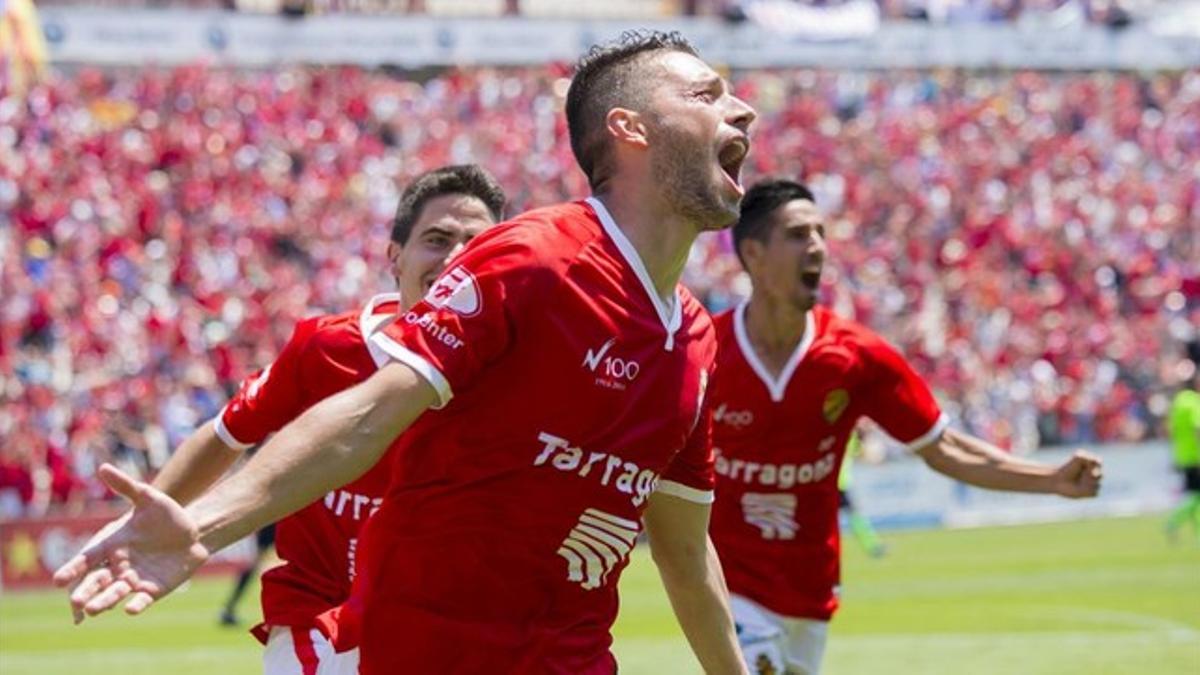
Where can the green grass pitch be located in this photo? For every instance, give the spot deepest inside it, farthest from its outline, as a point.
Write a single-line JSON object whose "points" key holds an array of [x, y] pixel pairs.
{"points": [[1093, 597]]}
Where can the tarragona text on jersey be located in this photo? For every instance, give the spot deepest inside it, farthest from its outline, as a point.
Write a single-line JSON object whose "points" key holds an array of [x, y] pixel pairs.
{"points": [[569, 393], [779, 442]]}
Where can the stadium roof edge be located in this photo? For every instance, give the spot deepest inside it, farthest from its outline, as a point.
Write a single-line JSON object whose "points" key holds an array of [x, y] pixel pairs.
{"points": [[100, 36]]}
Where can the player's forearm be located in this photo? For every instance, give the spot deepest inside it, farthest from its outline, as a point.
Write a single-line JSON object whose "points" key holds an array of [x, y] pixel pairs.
{"points": [[330, 445], [696, 587], [196, 464], [971, 460]]}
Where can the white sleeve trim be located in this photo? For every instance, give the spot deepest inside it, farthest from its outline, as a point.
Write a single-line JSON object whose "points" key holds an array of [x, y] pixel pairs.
{"points": [[378, 355], [226, 436], [691, 494], [395, 351], [370, 320], [926, 438]]}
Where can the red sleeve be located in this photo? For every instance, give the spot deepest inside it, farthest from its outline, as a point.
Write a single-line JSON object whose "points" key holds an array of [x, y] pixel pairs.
{"points": [[691, 475], [898, 399], [467, 319], [268, 399]]}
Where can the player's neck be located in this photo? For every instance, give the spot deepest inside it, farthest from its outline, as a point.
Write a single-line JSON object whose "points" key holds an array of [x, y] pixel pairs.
{"points": [[662, 239], [775, 328]]}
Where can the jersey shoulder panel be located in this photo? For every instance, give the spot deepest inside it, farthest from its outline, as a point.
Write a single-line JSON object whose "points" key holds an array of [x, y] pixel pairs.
{"points": [[553, 234], [335, 330], [537, 245], [848, 331], [849, 337]]}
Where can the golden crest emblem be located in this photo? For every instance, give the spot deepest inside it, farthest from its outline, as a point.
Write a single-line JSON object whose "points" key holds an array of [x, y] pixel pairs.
{"points": [[835, 404], [763, 666]]}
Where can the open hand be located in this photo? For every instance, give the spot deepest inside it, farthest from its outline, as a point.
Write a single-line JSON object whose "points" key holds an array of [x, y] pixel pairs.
{"points": [[141, 556]]}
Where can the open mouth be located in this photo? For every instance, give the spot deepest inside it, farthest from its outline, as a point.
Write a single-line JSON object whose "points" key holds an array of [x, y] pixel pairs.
{"points": [[811, 279], [731, 157]]}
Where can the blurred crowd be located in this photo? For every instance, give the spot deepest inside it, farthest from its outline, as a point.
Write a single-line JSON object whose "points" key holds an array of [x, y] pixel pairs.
{"points": [[1031, 241]]}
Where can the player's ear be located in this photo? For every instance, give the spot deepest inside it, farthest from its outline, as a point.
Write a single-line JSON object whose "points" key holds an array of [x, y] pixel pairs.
{"points": [[626, 126], [751, 251], [393, 254]]}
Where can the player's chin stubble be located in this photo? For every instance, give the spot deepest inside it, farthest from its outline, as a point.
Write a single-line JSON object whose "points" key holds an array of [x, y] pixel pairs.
{"points": [[684, 170]]}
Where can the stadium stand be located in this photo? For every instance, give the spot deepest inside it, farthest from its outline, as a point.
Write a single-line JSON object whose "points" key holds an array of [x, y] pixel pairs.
{"points": [[1028, 238]]}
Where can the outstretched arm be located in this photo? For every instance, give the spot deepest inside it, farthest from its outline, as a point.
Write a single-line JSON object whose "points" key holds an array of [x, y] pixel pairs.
{"points": [[331, 444], [159, 544], [691, 574], [971, 460], [197, 463]]}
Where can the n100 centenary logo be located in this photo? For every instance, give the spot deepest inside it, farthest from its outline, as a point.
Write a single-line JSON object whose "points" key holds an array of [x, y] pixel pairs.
{"points": [[613, 371], [734, 418]]}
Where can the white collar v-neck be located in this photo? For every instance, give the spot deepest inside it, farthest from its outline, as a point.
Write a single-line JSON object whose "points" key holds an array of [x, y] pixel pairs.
{"points": [[777, 387], [368, 320], [672, 316]]}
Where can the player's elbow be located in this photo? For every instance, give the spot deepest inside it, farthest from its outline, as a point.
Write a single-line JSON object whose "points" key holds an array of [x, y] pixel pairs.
{"points": [[681, 562], [940, 458]]}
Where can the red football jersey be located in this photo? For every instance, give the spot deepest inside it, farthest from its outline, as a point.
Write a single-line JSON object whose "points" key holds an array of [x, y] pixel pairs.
{"points": [[570, 392], [779, 444], [318, 543]]}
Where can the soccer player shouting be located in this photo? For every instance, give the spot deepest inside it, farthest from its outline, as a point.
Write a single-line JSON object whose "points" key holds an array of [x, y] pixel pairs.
{"points": [[550, 388], [792, 381], [438, 213]]}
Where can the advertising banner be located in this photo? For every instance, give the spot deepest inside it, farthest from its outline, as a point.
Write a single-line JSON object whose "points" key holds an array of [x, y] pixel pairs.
{"points": [[905, 493]]}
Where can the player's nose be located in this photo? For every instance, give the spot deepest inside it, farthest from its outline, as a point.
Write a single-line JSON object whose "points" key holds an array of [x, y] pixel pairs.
{"points": [[740, 114], [814, 253]]}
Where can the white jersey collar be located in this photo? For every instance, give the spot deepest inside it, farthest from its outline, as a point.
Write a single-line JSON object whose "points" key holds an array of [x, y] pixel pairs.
{"points": [[777, 387], [672, 316], [368, 320]]}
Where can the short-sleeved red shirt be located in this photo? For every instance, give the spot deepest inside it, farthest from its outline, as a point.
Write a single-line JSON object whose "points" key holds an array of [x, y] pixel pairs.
{"points": [[569, 393], [318, 543], [779, 443]]}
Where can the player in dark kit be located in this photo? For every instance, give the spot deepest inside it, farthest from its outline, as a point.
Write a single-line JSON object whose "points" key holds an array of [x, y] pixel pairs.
{"points": [[264, 542]]}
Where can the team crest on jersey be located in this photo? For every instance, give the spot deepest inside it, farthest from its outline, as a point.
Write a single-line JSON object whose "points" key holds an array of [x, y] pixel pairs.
{"points": [[457, 291], [763, 665], [835, 404]]}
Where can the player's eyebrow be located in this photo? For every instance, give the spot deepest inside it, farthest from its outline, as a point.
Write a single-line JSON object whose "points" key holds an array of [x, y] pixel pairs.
{"points": [[813, 223], [707, 82], [439, 229]]}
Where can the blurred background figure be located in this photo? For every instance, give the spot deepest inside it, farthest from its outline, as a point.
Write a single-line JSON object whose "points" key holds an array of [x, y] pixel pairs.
{"points": [[264, 543], [22, 46], [1184, 424], [860, 526]]}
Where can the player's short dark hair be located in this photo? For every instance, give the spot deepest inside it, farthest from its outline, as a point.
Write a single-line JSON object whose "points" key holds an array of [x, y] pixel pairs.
{"points": [[760, 201], [471, 180], [606, 77]]}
